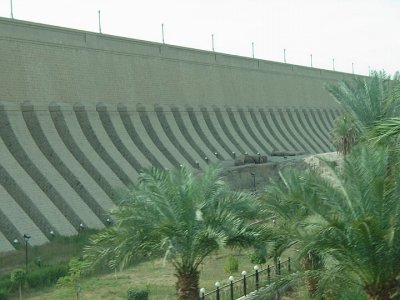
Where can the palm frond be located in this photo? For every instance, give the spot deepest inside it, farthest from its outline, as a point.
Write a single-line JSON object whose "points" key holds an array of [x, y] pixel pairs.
{"points": [[349, 215], [176, 215]]}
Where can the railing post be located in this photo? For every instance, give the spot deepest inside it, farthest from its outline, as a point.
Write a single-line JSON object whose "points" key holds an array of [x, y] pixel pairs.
{"points": [[202, 292], [269, 274], [231, 279], [217, 285], [244, 273], [257, 277], [279, 266]]}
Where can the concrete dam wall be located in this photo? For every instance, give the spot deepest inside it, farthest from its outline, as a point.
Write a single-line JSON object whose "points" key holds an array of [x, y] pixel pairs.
{"points": [[81, 114]]}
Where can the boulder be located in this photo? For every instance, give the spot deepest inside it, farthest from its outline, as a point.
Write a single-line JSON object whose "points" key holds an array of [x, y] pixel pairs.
{"points": [[250, 159]]}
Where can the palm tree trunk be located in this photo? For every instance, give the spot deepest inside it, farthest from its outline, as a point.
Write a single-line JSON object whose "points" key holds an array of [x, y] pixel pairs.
{"points": [[380, 294], [380, 297], [187, 285], [386, 291], [311, 282]]}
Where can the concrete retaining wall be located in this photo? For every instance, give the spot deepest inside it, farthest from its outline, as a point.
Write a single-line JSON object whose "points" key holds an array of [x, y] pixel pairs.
{"points": [[81, 114], [43, 64]]}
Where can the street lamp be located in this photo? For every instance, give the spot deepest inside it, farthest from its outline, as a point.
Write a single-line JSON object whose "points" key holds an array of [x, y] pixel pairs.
{"points": [[244, 273], [256, 268], [202, 293], [217, 285], [26, 238], [231, 279]]}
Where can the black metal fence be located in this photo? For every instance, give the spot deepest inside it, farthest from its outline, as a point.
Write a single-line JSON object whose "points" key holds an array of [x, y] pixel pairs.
{"points": [[247, 283]]}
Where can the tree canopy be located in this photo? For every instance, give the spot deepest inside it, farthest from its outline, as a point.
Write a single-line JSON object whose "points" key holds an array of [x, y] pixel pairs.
{"points": [[178, 215]]}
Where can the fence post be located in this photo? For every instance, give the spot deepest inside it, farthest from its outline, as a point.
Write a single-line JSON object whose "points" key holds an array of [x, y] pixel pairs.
{"points": [[217, 285], [231, 279], [244, 273], [269, 274], [289, 264], [257, 278], [202, 292]]}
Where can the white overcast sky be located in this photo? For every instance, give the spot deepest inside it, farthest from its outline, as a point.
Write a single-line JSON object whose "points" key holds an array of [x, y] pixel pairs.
{"points": [[363, 32]]}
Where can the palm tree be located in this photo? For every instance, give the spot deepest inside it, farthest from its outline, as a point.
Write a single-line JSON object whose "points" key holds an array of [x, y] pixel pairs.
{"points": [[365, 102], [349, 217], [178, 215], [345, 134], [385, 129], [368, 99]]}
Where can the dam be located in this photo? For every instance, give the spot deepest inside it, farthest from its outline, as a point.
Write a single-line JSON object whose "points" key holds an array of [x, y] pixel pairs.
{"points": [[82, 113]]}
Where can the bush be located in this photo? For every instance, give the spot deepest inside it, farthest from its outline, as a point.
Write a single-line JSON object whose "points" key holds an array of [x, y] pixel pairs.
{"points": [[46, 276], [18, 277], [6, 284], [258, 258], [77, 268], [137, 294], [3, 295], [231, 265]]}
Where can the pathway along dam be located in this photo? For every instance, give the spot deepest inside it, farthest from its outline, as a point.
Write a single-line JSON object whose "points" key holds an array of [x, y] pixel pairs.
{"points": [[82, 113]]}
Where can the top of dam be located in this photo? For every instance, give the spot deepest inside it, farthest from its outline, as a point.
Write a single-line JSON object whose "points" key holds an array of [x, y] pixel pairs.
{"points": [[44, 64]]}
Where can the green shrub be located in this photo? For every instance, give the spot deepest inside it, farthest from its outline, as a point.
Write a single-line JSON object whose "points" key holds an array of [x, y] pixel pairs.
{"points": [[6, 284], [18, 277], [258, 258], [137, 294], [3, 295], [46, 276], [77, 268], [231, 265]]}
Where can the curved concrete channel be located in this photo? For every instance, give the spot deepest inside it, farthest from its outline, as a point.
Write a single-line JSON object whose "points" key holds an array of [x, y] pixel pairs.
{"points": [[61, 164]]}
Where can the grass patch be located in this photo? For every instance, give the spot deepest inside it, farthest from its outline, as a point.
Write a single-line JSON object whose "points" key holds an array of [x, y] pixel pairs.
{"points": [[159, 279], [60, 249]]}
